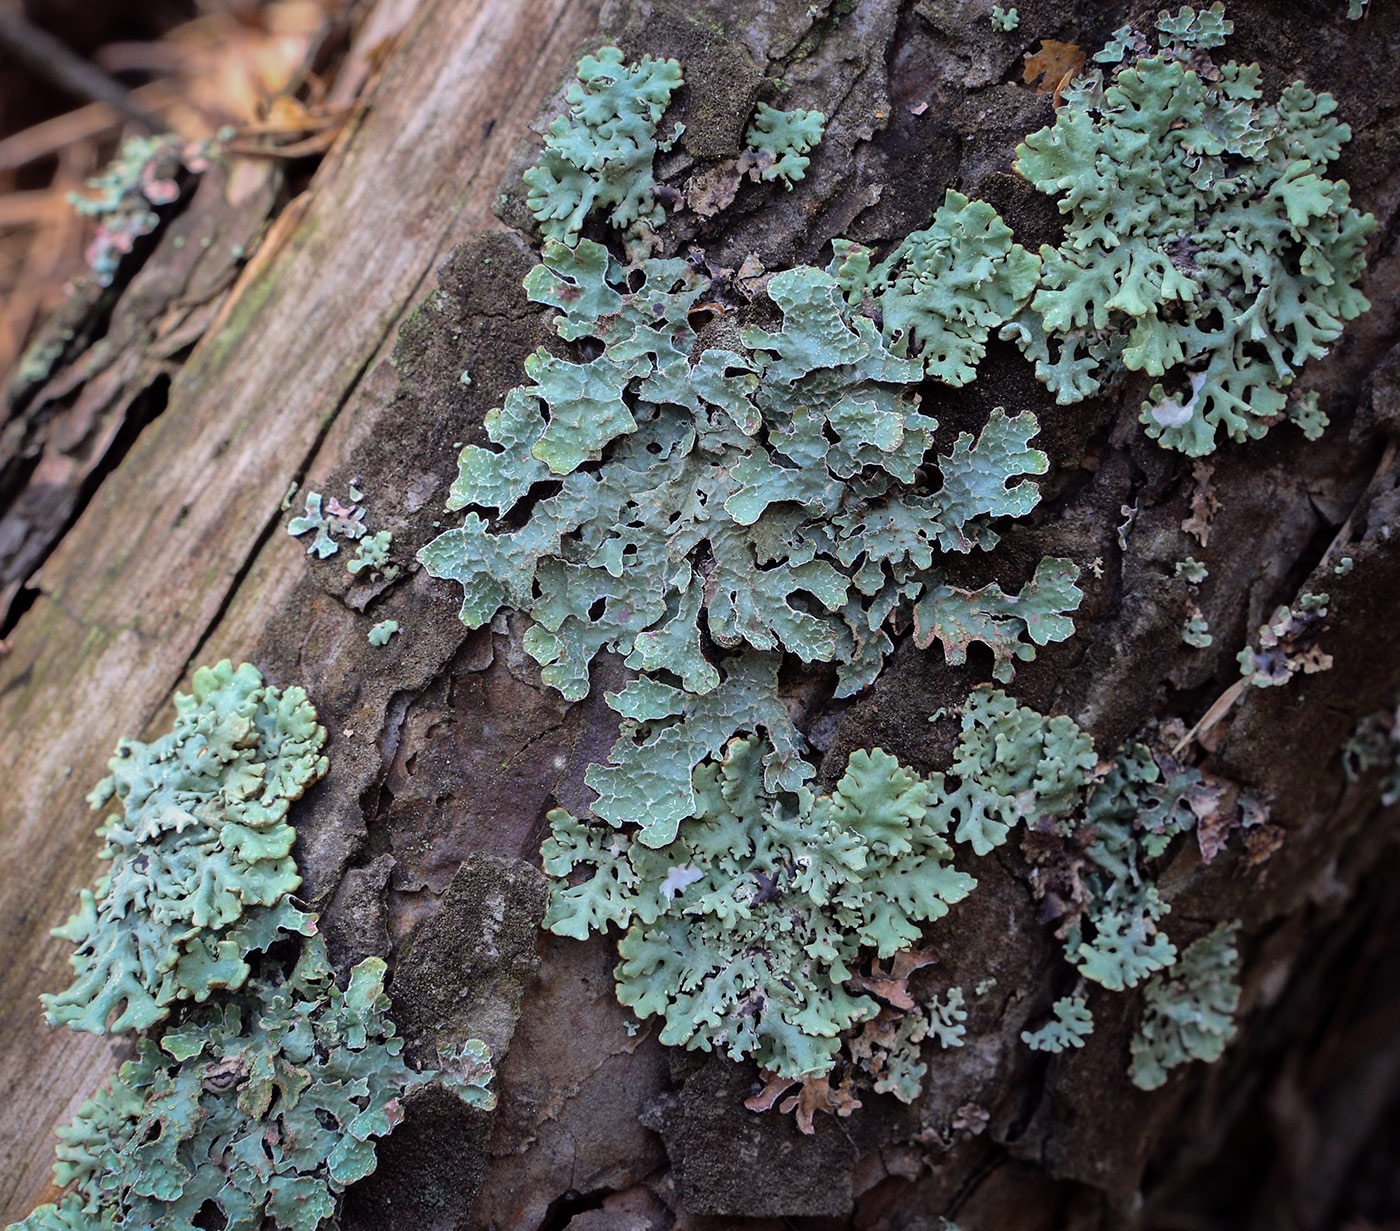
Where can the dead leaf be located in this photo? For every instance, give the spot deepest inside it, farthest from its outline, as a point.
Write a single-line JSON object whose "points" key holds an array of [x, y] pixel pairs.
{"points": [[1260, 845], [818, 1094], [1203, 503], [1050, 69], [773, 1088], [892, 986]]}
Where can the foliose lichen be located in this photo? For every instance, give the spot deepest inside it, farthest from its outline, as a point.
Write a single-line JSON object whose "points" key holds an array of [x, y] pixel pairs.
{"points": [[703, 512], [1191, 570], [600, 155], [1288, 644], [1205, 242], [332, 522], [200, 851], [1196, 632], [259, 1104], [942, 290], [743, 932], [124, 196], [263, 1105], [372, 556], [1190, 1010], [381, 632], [778, 497], [1071, 1024], [1005, 20], [1375, 744], [778, 142]]}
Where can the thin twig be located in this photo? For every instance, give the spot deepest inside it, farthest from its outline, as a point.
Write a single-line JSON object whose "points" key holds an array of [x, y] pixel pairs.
{"points": [[1227, 699], [50, 59], [50, 136], [1222, 706]]}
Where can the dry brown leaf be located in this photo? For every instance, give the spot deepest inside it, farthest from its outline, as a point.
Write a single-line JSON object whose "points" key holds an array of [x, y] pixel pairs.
{"points": [[1260, 845], [1203, 503], [892, 986], [1050, 69], [818, 1094], [773, 1088]]}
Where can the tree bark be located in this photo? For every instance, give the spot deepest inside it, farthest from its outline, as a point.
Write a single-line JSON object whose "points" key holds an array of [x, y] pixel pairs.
{"points": [[144, 478]]}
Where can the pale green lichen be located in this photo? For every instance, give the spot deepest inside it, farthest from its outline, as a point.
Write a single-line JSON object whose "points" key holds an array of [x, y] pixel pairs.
{"points": [[1288, 644], [258, 1106], [372, 554], [1131, 814], [1190, 1011], [1356, 9], [947, 1019], [1375, 744], [600, 155], [782, 494], [779, 140], [942, 290], [742, 931], [1192, 571], [331, 520], [1196, 632], [1005, 19], [1205, 242], [1071, 1025], [200, 851], [381, 632], [263, 1105], [142, 176]]}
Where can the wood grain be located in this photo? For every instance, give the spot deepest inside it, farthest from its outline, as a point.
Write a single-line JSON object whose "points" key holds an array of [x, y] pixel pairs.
{"points": [[142, 583]]}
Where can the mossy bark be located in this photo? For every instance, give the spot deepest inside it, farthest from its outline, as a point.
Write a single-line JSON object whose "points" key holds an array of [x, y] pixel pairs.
{"points": [[373, 293]]}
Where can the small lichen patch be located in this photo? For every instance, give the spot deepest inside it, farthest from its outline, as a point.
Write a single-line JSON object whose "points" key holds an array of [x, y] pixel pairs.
{"points": [[1205, 243], [124, 196], [372, 556], [1189, 1011], [1071, 1025], [259, 1104], [200, 851], [1375, 744], [1192, 571], [331, 520], [1005, 19], [1196, 632], [381, 632], [1288, 644], [600, 155], [778, 142]]}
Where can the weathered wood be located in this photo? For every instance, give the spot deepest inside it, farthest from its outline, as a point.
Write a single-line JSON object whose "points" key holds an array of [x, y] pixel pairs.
{"points": [[139, 590], [446, 750]]}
